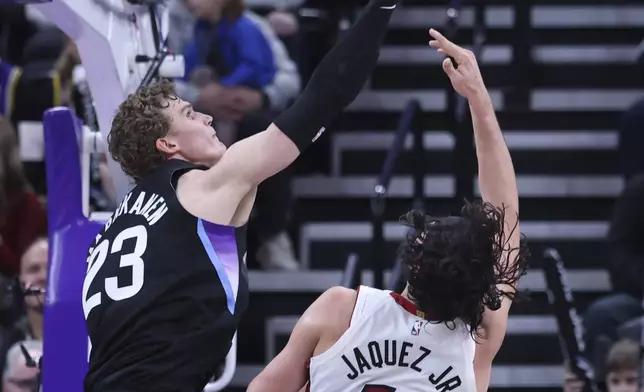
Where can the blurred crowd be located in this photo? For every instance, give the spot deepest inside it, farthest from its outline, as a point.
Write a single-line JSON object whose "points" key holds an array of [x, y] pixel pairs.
{"points": [[242, 68]]}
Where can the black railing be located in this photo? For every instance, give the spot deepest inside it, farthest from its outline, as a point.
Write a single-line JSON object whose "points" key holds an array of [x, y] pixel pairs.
{"points": [[457, 113], [568, 320], [397, 279], [351, 275], [409, 122], [523, 74]]}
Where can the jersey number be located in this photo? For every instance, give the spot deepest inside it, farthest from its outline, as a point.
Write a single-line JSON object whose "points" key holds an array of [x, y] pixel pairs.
{"points": [[133, 260], [378, 388]]}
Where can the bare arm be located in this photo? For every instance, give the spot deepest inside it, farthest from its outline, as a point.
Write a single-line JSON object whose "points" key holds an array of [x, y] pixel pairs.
{"points": [[288, 371], [254, 159], [497, 182], [335, 83]]}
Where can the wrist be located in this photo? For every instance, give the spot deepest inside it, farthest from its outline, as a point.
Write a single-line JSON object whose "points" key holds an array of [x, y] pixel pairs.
{"points": [[480, 102]]}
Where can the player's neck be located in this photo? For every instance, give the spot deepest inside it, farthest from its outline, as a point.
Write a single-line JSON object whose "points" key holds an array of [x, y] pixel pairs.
{"points": [[35, 319]]}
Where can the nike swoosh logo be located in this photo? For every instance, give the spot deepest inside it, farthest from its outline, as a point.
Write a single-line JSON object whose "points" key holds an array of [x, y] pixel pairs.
{"points": [[391, 7]]}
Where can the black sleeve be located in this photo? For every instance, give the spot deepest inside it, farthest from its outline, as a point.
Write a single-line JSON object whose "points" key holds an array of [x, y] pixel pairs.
{"points": [[339, 77]]}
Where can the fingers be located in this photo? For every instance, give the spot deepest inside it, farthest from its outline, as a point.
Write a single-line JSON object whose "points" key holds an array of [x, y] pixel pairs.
{"points": [[448, 47], [448, 67]]}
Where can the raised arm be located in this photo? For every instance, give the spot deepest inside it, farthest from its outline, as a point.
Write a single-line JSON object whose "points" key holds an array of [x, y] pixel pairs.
{"points": [[334, 85], [497, 182]]}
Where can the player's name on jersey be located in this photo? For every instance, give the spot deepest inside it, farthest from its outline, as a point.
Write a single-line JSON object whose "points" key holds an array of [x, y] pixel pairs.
{"points": [[400, 354], [151, 206]]}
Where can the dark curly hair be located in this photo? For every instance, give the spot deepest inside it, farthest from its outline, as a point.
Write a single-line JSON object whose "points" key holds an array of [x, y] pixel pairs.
{"points": [[138, 124], [455, 263]]}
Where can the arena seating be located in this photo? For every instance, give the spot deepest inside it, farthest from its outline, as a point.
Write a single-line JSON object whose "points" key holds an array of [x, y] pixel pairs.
{"points": [[559, 116]]}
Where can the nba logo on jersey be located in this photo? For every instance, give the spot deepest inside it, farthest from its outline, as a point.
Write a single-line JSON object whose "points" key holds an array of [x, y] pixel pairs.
{"points": [[418, 325]]}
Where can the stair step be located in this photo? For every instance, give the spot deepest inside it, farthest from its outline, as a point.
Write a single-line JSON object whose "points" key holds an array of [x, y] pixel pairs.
{"points": [[359, 209], [546, 186], [542, 55], [316, 282], [355, 236], [615, 35], [442, 142], [464, 3], [546, 100], [559, 162], [437, 119], [555, 76], [541, 16], [515, 139], [325, 255]]}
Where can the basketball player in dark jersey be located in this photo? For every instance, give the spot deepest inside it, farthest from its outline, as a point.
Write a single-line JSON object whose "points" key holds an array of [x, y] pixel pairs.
{"points": [[462, 279], [166, 281]]}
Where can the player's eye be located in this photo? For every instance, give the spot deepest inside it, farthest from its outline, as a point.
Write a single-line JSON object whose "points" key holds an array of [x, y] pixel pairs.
{"points": [[189, 114]]}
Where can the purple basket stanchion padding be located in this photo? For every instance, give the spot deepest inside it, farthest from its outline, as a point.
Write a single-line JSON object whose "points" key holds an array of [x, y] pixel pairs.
{"points": [[70, 233]]}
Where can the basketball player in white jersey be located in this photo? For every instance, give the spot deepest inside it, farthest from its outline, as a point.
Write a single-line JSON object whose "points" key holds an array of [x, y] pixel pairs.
{"points": [[443, 332]]}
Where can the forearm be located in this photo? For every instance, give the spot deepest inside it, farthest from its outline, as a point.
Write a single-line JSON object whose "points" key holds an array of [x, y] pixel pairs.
{"points": [[338, 78], [497, 180]]}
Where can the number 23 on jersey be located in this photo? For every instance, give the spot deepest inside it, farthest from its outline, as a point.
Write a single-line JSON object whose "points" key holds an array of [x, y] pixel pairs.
{"points": [[132, 260]]}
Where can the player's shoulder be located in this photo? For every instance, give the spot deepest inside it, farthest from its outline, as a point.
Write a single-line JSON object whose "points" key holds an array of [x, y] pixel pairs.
{"points": [[341, 301], [339, 295], [333, 307]]}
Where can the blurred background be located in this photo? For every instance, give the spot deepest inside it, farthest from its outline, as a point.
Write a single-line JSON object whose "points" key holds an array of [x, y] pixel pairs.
{"points": [[566, 80]]}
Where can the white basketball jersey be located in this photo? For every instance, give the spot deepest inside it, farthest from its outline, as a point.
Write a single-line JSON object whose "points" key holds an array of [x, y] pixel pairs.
{"points": [[390, 347]]}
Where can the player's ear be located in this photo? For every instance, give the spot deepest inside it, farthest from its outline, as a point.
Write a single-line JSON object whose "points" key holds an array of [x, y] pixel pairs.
{"points": [[167, 146]]}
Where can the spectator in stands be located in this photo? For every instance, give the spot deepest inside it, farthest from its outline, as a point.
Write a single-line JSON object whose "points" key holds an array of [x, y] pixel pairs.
{"points": [[241, 72], [38, 87], [8, 77], [229, 49], [242, 49], [33, 274], [626, 266], [15, 30], [631, 141], [17, 375], [22, 216], [625, 239], [571, 382], [622, 366], [621, 373]]}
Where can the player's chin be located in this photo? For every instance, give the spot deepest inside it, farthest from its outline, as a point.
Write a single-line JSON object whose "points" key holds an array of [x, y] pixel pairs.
{"points": [[220, 147], [218, 151]]}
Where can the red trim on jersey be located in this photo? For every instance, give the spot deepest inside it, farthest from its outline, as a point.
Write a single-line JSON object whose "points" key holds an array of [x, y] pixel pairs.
{"points": [[410, 306]]}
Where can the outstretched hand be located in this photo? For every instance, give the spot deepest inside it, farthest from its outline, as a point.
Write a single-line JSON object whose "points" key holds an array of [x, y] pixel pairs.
{"points": [[465, 77]]}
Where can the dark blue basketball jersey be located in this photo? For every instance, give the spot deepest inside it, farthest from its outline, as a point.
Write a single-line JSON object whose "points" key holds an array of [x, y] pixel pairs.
{"points": [[163, 293]]}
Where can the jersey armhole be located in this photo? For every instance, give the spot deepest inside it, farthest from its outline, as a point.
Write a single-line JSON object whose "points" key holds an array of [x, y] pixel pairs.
{"points": [[176, 174], [361, 312], [355, 306]]}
